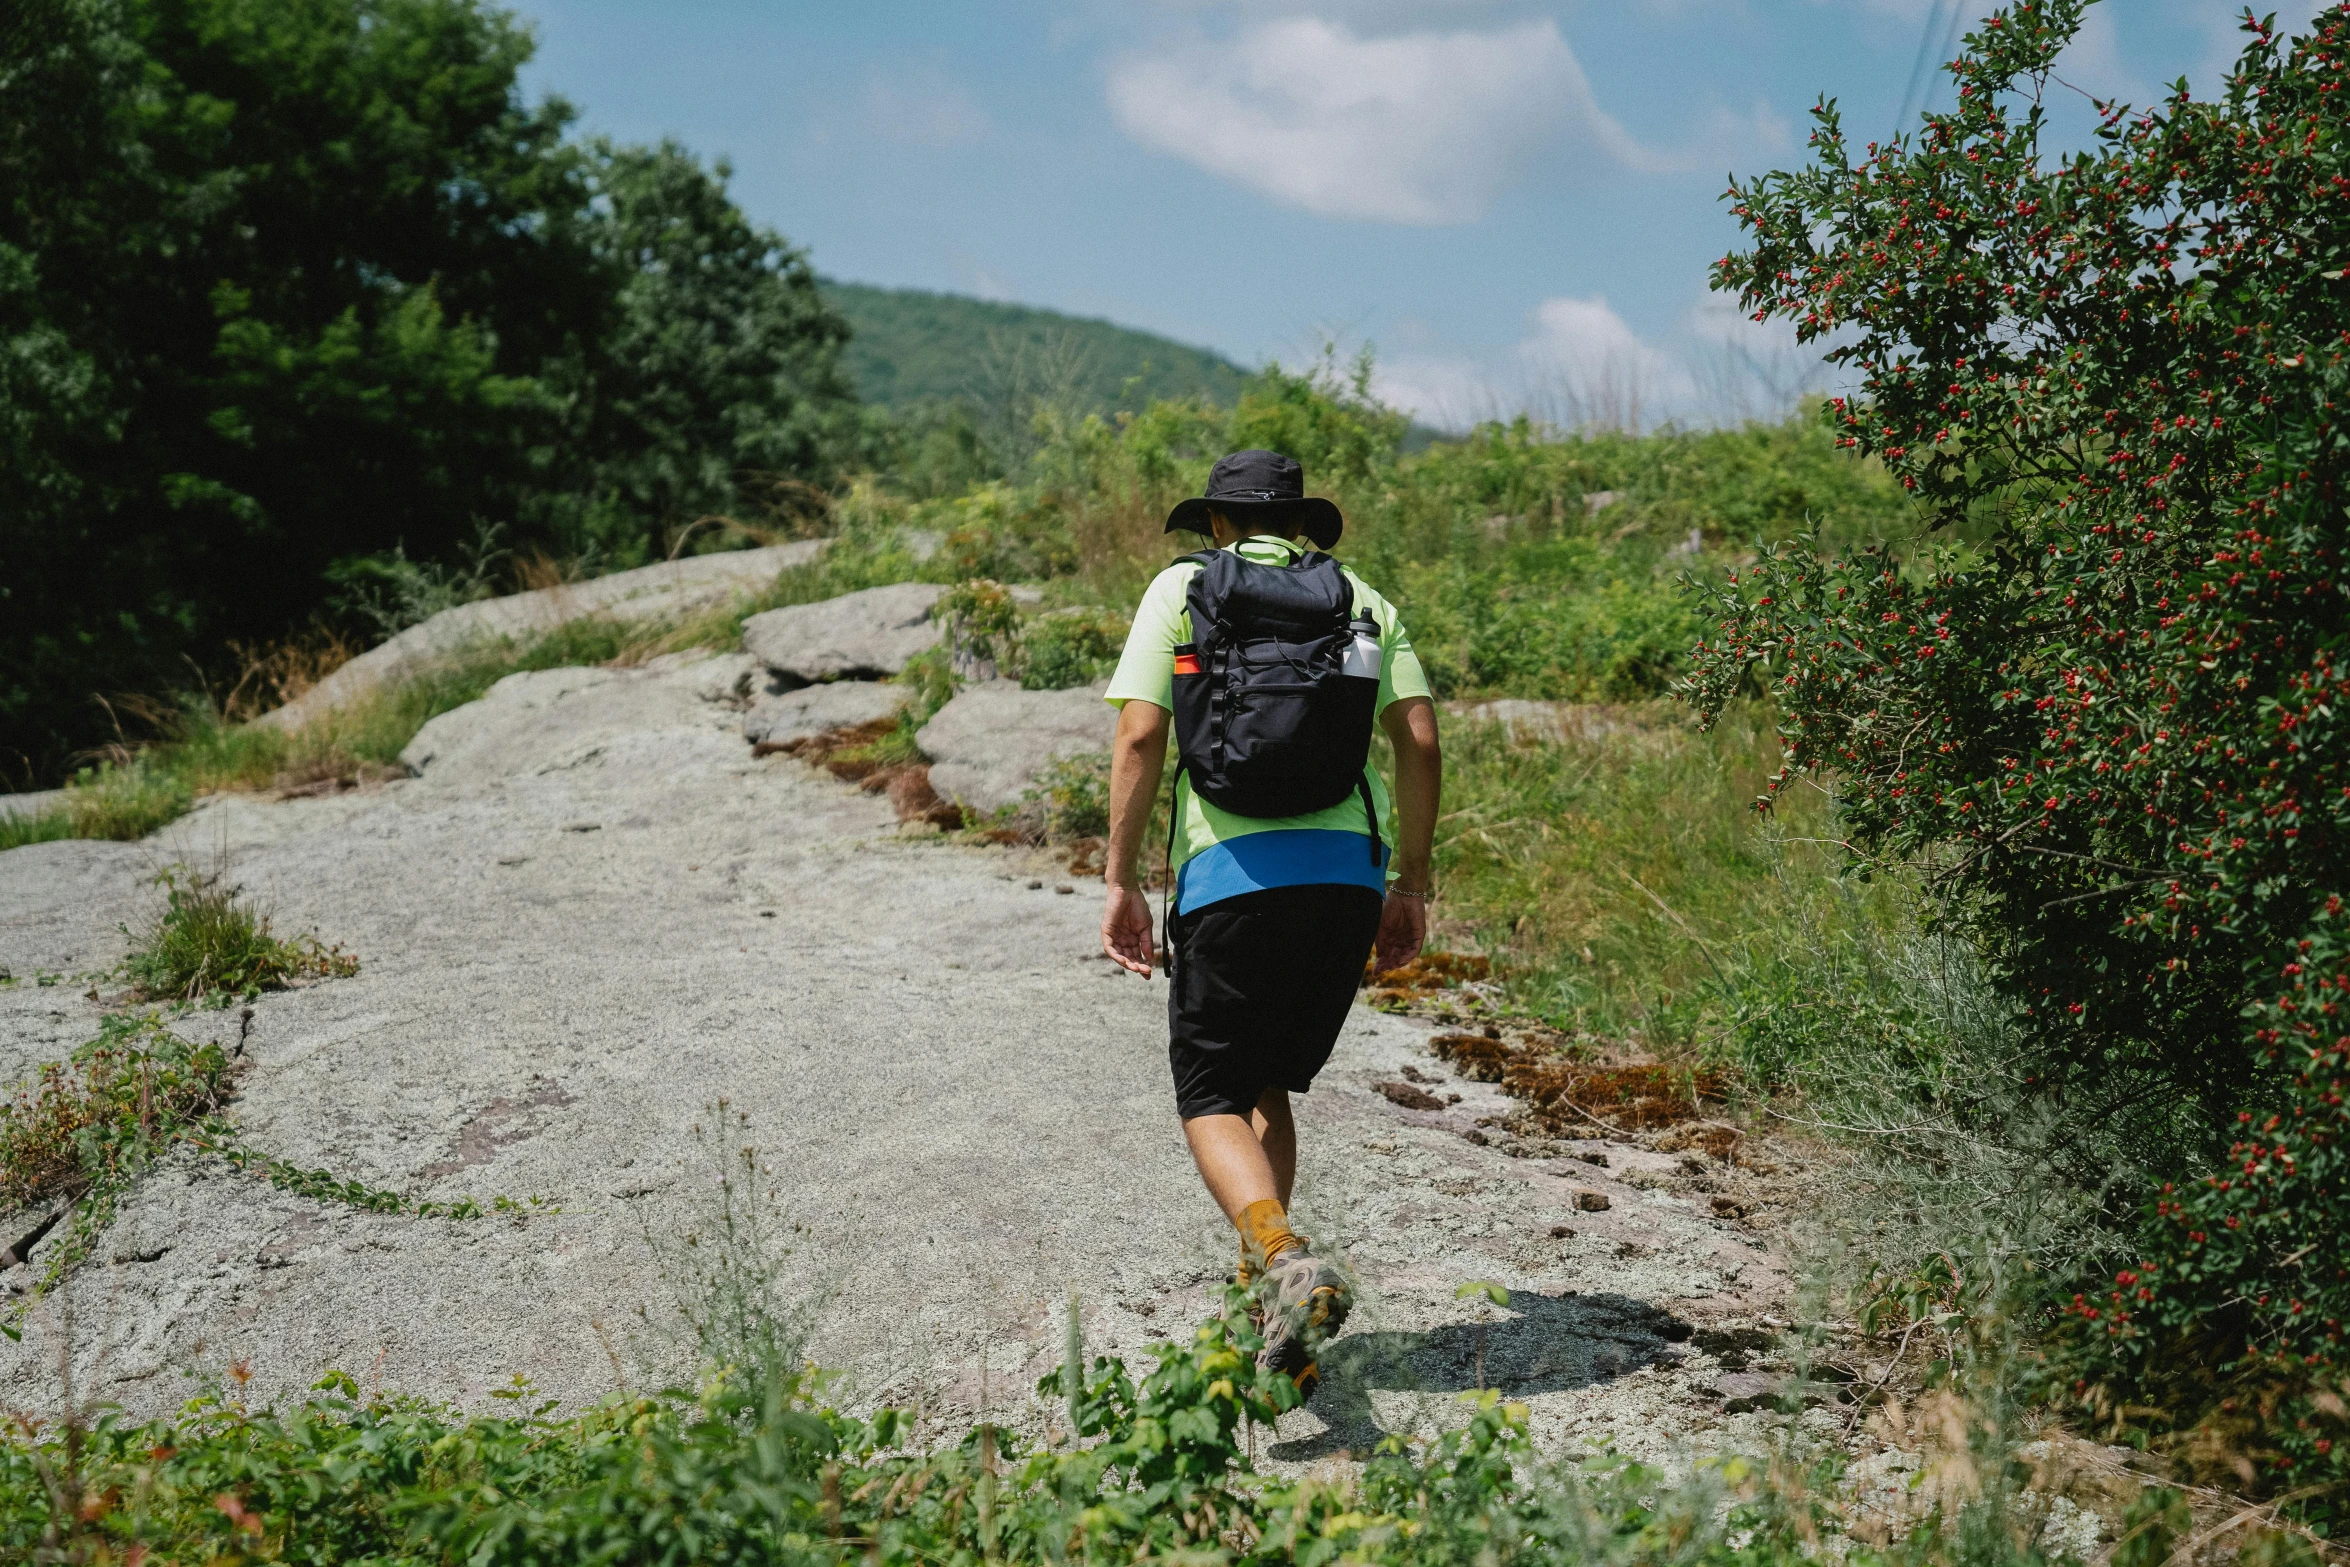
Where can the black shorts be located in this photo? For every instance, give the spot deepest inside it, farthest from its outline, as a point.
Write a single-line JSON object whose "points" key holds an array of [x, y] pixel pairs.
{"points": [[1260, 987]]}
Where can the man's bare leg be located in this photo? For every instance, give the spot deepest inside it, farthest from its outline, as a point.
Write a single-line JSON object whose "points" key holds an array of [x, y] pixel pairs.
{"points": [[1278, 1132], [1249, 1159]]}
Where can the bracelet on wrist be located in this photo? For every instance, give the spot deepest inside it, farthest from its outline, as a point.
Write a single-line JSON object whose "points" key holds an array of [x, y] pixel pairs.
{"points": [[1398, 892]]}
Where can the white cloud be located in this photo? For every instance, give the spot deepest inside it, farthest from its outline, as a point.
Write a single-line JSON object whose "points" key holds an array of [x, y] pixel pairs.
{"points": [[1581, 364], [1374, 14], [2092, 63], [1418, 128], [923, 107]]}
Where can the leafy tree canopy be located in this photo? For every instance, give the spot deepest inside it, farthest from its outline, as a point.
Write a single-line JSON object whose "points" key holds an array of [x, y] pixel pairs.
{"points": [[288, 281]]}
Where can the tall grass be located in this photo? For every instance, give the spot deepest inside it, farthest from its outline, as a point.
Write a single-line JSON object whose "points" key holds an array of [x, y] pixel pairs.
{"points": [[1622, 879]]}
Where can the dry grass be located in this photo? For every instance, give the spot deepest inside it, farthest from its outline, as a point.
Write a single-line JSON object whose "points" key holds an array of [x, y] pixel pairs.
{"points": [[278, 673], [863, 754]]}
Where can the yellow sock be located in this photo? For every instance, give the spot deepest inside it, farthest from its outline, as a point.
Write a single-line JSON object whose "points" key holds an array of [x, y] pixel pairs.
{"points": [[1264, 1235]]}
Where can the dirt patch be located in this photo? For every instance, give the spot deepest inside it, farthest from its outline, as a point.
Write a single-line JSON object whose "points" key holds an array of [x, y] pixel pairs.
{"points": [[846, 753], [1424, 978], [501, 1123], [1568, 1094], [1410, 1097], [331, 774]]}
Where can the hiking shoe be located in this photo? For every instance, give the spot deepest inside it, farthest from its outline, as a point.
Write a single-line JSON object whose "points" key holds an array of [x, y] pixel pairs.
{"points": [[1305, 1301]]}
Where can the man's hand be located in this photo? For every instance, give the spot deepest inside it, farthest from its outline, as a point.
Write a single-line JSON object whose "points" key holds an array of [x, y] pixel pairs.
{"points": [[1126, 930], [1137, 755], [1419, 780], [1403, 926]]}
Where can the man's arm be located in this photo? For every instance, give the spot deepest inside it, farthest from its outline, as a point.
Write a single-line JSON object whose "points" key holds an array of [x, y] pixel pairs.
{"points": [[1419, 781], [1137, 756]]}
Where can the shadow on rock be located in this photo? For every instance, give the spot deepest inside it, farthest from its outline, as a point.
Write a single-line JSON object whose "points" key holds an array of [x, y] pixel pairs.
{"points": [[1541, 1344]]}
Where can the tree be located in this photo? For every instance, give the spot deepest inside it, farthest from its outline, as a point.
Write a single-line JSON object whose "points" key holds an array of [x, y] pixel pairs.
{"points": [[718, 374], [284, 282], [2118, 734]]}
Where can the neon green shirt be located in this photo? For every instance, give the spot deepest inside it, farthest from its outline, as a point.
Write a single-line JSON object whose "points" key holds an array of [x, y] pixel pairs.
{"points": [[1146, 673]]}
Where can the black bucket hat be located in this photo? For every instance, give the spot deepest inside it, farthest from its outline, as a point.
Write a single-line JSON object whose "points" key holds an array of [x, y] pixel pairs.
{"points": [[1261, 488]]}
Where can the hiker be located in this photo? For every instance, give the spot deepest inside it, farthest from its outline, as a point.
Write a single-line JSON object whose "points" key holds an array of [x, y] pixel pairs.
{"points": [[1271, 662]]}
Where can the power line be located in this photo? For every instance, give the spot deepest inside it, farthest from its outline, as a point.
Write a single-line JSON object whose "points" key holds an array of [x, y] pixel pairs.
{"points": [[1925, 61], [1949, 43], [1945, 17]]}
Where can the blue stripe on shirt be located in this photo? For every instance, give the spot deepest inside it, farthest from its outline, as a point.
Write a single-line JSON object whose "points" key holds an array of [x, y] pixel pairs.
{"points": [[1283, 857]]}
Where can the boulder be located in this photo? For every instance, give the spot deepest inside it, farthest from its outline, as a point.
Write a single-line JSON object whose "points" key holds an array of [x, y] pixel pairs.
{"points": [[605, 728], [991, 743], [670, 590], [861, 635], [838, 704]]}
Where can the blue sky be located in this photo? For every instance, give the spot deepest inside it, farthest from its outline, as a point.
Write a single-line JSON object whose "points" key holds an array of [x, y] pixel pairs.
{"points": [[1515, 202]]}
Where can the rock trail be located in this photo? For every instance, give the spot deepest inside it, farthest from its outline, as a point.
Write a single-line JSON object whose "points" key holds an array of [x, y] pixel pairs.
{"points": [[594, 913]]}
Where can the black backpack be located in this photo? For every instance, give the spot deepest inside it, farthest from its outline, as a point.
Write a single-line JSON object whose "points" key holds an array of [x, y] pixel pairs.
{"points": [[1272, 716]]}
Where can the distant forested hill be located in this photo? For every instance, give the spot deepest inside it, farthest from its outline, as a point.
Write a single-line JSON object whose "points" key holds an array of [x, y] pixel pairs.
{"points": [[911, 347]]}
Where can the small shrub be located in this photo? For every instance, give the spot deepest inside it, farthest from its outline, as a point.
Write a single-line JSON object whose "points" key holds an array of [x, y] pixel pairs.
{"points": [[1074, 792], [930, 676], [725, 1266], [208, 941], [1069, 648], [982, 627], [387, 592]]}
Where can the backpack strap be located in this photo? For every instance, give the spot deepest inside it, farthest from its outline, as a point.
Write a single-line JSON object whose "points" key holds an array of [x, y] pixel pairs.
{"points": [[1167, 876], [1371, 819]]}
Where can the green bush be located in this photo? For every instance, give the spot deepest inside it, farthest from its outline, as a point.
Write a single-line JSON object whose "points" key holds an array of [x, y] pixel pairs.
{"points": [[980, 625], [1075, 794], [2117, 730], [387, 592], [757, 1468]]}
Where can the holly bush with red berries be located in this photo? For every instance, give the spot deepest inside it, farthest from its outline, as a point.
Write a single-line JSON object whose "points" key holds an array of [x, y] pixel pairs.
{"points": [[2113, 736]]}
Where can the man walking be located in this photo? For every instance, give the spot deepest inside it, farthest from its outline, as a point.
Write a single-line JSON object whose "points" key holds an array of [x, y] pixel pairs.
{"points": [[1270, 662]]}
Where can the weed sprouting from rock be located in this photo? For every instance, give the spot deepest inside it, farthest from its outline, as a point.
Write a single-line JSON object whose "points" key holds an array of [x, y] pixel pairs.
{"points": [[209, 941], [78, 1134], [982, 624], [730, 1309], [1073, 793]]}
